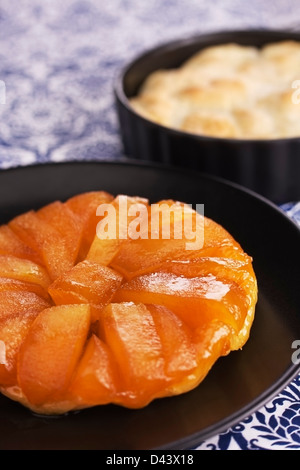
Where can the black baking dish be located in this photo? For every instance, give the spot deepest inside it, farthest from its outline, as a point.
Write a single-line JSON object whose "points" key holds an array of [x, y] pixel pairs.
{"points": [[269, 167]]}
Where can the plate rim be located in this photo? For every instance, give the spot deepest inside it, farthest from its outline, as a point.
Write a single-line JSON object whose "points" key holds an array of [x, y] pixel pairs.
{"points": [[127, 161]]}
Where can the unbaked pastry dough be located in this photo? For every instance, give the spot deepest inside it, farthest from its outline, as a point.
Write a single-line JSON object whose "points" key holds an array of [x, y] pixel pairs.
{"points": [[228, 91]]}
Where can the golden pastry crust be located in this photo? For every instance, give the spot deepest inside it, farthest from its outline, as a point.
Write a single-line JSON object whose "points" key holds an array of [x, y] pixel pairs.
{"points": [[212, 125], [228, 91]]}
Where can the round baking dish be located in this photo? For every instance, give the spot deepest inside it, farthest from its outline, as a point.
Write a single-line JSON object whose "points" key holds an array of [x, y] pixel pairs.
{"points": [[268, 167]]}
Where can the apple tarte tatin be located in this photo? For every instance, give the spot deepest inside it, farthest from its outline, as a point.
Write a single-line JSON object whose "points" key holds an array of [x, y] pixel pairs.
{"points": [[96, 308]]}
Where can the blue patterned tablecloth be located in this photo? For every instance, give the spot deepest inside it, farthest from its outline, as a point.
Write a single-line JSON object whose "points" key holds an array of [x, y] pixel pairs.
{"points": [[58, 61]]}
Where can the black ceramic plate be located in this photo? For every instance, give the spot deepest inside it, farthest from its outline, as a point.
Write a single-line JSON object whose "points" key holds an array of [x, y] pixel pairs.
{"points": [[239, 383]]}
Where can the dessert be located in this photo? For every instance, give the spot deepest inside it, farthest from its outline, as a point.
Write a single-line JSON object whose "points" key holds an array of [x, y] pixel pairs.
{"points": [[98, 308], [228, 91]]}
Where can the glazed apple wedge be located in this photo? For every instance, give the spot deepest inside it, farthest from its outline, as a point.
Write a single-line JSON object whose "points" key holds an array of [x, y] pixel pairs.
{"points": [[112, 229], [19, 269], [12, 245], [129, 331], [18, 310], [56, 252], [86, 283], [96, 379], [84, 206], [195, 300], [50, 352]]}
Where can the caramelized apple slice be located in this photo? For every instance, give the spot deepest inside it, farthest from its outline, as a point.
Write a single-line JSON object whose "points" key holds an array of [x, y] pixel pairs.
{"points": [[129, 331], [215, 235], [86, 283], [21, 275], [181, 233], [155, 243], [31, 230], [51, 351], [46, 241], [103, 251], [84, 206], [116, 227], [212, 340], [194, 300], [239, 271], [226, 250], [137, 257], [169, 219], [66, 223], [23, 270], [232, 267], [7, 284], [13, 330], [11, 244], [13, 303], [177, 343], [95, 379]]}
